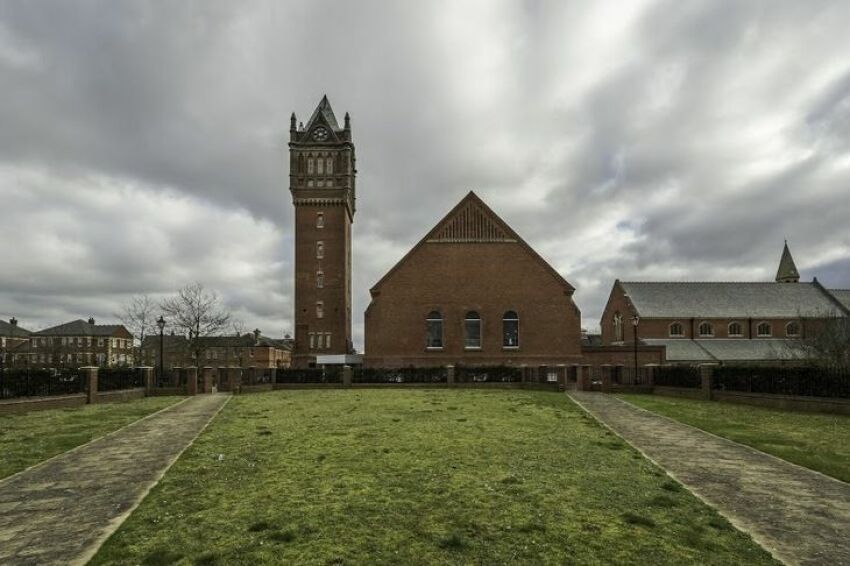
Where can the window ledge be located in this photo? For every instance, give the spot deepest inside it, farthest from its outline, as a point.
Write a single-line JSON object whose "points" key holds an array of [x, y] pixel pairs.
{"points": [[472, 348], [510, 347], [433, 348]]}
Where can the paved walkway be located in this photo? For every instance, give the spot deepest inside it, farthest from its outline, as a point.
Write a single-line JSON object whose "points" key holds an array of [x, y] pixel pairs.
{"points": [[61, 511], [800, 516]]}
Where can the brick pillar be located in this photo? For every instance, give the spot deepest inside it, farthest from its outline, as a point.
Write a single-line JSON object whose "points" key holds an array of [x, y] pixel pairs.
{"points": [[147, 379], [346, 376], [191, 381], [206, 380], [706, 372], [450, 376], [88, 375]]}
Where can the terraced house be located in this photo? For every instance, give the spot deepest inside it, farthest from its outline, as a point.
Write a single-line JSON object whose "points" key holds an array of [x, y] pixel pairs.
{"points": [[14, 341], [81, 343]]}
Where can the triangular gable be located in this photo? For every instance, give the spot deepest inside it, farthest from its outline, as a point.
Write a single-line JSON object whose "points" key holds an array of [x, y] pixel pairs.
{"points": [[472, 221], [326, 113]]}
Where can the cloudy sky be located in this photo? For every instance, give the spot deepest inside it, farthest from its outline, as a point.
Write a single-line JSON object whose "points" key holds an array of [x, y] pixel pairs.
{"points": [[143, 144]]}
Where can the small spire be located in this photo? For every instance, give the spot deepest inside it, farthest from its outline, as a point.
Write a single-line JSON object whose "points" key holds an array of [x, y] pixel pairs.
{"points": [[347, 121], [787, 272], [292, 121]]}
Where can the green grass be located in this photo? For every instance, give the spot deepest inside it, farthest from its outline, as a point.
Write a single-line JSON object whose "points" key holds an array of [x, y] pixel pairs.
{"points": [[816, 441], [418, 477], [33, 437]]}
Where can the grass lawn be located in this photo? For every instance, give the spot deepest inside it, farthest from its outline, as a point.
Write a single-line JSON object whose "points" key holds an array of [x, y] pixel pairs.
{"points": [[817, 441], [389, 476], [33, 437]]}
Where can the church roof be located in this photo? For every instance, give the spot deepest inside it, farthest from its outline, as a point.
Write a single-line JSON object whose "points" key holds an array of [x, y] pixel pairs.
{"points": [[82, 328], [325, 111], [842, 295], [727, 300], [787, 271], [729, 350], [472, 221]]}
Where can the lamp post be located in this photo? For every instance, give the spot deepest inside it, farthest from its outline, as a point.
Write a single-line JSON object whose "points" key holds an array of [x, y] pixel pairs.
{"points": [[161, 325], [635, 322]]}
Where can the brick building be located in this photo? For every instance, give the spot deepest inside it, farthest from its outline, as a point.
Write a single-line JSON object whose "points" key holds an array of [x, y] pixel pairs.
{"points": [[246, 351], [81, 343], [322, 182], [14, 342], [722, 321], [472, 292]]}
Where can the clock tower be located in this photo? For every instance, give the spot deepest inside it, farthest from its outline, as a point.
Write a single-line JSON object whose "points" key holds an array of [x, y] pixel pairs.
{"points": [[321, 180]]}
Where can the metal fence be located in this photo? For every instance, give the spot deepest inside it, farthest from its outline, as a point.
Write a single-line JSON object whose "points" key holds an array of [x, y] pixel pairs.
{"points": [[39, 382], [491, 374], [678, 376], [400, 375], [629, 375], [313, 375], [171, 377], [806, 381], [116, 379]]}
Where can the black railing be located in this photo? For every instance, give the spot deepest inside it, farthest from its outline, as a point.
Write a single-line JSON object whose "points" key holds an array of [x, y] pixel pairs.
{"points": [[400, 375], [678, 376], [807, 381], [491, 374], [116, 379], [629, 375], [173, 377], [312, 375], [39, 382]]}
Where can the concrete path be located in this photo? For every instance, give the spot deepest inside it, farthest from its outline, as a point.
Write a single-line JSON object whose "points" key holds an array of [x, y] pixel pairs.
{"points": [[798, 515], [62, 510]]}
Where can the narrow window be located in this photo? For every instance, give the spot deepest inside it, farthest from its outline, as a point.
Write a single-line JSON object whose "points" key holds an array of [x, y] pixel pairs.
{"points": [[618, 327], [320, 309], [434, 330], [329, 169], [320, 220], [310, 166], [320, 280], [763, 329], [328, 340], [320, 250], [735, 329], [676, 330], [706, 329], [792, 329], [320, 166], [510, 330], [472, 330], [312, 340]]}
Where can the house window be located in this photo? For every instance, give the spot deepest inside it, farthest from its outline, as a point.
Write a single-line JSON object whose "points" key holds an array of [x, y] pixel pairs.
{"points": [[320, 309], [472, 330], [320, 220], [735, 329], [792, 329], [676, 330], [763, 329], [618, 327], [320, 280], [320, 250], [310, 166], [510, 330], [706, 329], [434, 330]]}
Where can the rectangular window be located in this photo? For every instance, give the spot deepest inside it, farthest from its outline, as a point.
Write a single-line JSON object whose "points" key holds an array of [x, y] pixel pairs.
{"points": [[320, 220], [330, 166], [320, 280], [434, 332], [328, 340], [320, 249], [472, 331]]}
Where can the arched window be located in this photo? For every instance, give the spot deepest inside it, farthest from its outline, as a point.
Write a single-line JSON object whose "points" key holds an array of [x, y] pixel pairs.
{"points": [[706, 329], [329, 167], [792, 329], [320, 280], [309, 165], [320, 250], [735, 329], [472, 330], [676, 330], [763, 329], [320, 166], [320, 220], [320, 309], [434, 330], [618, 327], [510, 330]]}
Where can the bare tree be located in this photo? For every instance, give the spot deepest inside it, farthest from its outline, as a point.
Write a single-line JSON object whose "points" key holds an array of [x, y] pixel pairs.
{"points": [[826, 340], [196, 312], [138, 316], [238, 326]]}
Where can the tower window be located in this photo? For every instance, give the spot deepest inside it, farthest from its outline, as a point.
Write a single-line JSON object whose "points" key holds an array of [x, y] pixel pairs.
{"points": [[617, 324], [434, 330], [735, 329], [792, 329], [676, 330], [312, 340], [763, 329], [320, 166], [320, 309], [309, 165], [472, 330], [320, 249], [329, 168], [706, 329], [510, 330], [320, 280], [320, 220], [328, 340]]}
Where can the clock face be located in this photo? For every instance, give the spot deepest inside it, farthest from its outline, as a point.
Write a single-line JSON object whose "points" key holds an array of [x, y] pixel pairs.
{"points": [[320, 134]]}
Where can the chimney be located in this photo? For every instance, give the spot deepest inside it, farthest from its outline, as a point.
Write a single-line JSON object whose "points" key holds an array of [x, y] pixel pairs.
{"points": [[13, 321], [256, 336], [91, 320]]}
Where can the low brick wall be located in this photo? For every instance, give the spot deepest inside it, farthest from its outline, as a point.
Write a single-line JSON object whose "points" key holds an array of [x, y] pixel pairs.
{"points": [[790, 402], [122, 395], [26, 404], [687, 392]]}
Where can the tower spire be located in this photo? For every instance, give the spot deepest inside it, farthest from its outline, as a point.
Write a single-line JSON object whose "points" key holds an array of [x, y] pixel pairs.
{"points": [[787, 272]]}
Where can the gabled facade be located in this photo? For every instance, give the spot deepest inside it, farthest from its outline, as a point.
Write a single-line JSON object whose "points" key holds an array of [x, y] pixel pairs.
{"points": [[472, 292], [322, 182], [81, 343]]}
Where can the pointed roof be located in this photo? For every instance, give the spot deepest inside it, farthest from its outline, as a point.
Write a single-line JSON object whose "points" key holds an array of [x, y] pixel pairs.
{"points": [[81, 327], [472, 221], [787, 272], [326, 112]]}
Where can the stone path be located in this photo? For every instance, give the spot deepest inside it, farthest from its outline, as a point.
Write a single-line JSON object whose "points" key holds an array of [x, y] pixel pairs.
{"points": [[61, 511], [798, 515]]}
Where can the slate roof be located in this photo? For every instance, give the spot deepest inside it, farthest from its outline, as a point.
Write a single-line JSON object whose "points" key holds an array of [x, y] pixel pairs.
{"points": [[13, 330], [729, 350], [324, 108], [787, 269], [727, 300], [81, 328], [843, 296]]}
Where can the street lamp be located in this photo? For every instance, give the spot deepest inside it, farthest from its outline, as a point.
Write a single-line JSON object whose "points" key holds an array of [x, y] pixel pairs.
{"points": [[635, 322], [161, 324]]}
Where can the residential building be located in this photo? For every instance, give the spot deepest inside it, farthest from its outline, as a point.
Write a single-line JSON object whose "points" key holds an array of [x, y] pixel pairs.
{"points": [[14, 342], [81, 343], [246, 351]]}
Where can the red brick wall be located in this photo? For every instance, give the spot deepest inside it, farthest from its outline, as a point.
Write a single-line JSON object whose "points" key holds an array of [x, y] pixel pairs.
{"points": [[454, 278]]}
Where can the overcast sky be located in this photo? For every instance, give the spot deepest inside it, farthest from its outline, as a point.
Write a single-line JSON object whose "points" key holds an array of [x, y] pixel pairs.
{"points": [[143, 144]]}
